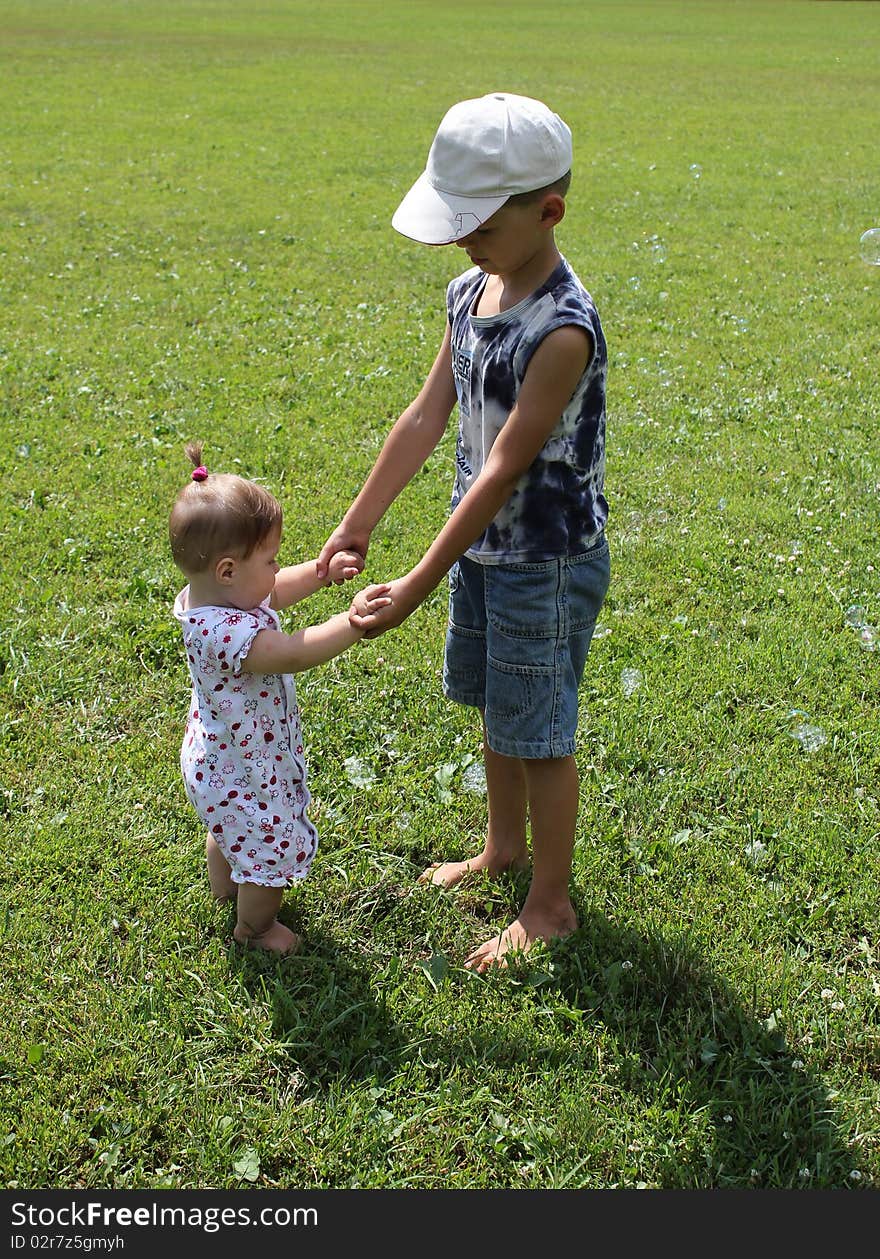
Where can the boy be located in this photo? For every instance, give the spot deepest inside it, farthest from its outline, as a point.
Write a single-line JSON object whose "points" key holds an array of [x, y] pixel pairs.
{"points": [[525, 359]]}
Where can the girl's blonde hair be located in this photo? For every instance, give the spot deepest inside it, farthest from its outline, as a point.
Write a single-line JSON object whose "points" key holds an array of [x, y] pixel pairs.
{"points": [[218, 514]]}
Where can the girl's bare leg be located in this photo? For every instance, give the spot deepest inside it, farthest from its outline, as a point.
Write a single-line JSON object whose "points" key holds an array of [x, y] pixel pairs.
{"points": [[219, 875], [258, 924]]}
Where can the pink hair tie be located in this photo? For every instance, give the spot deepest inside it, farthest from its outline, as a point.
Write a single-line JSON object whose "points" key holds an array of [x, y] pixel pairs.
{"points": [[200, 473]]}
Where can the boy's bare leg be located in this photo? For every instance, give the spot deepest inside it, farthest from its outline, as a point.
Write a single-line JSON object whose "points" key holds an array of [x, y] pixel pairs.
{"points": [[219, 875], [548, 912], [505, 847], [257, 922]]}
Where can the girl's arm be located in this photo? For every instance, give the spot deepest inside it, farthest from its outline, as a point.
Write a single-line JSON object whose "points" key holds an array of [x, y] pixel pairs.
{"points": [[301, 580], [274, 652]]}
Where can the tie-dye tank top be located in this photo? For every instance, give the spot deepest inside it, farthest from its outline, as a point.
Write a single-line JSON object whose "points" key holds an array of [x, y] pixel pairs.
{"points": [[558, 506]]}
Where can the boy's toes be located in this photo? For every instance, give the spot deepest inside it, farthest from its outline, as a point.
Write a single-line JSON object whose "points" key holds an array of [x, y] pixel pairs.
{"points": [[485, 956]]}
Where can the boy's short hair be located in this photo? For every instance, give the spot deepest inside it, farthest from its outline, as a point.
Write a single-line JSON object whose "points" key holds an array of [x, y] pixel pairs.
{"points": [[559, 186], [218, 514], [485, 152]]}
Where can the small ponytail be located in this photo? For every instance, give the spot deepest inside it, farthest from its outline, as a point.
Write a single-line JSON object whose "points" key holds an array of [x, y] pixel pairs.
{"points": [[194, 454], [220, 514]]}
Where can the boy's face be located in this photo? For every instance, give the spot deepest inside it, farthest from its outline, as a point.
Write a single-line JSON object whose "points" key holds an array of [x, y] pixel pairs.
{"points": [[510, 238]]}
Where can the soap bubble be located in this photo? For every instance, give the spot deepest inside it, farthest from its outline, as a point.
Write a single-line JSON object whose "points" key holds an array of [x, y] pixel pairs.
{"points": [[358, 773], [869, 246], [856, 618], [474, 778], [630, 681], [809, 736], [756, 853]]}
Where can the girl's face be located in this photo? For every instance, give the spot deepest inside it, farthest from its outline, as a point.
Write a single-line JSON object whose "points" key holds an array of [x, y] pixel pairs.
{"points": [[253, 579]]}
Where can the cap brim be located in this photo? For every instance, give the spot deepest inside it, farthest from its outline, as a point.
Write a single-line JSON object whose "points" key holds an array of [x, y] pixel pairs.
{"points": [[433, 217]]}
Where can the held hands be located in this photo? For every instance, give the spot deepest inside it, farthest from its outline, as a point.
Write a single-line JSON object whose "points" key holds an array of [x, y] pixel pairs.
{"points": [[389, 612], [367, 605], [376, 608], [352, 545], [342, 566]]}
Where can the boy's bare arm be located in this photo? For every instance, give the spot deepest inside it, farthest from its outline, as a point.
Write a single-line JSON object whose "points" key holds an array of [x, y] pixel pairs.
{"points": [[550, 380], [410, 442]]}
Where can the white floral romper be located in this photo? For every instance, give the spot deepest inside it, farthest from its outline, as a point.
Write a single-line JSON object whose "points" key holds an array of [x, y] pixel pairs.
{"points": [[242, 756]]}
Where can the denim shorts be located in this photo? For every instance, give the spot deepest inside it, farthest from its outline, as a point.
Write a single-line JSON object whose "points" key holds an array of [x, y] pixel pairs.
{"points": [[517, 643]]}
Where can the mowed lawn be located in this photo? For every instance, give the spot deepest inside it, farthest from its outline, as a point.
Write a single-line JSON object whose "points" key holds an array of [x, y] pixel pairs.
{"points": [[196, 242]]}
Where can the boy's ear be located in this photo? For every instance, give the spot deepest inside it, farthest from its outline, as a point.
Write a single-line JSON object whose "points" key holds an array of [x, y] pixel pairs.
{"points": [[224, 570], [552, 210]]}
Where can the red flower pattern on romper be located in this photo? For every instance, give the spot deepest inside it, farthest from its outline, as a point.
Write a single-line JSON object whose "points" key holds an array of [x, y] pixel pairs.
{"points": [[253, 703]]}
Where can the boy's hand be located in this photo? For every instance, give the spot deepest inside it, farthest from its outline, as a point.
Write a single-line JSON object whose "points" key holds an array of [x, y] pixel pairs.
{"points": [[342, 567], [367, 604], [351, 543], [397, 607]]}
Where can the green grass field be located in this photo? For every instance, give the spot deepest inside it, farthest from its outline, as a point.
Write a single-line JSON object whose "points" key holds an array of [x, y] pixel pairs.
{"points": [[196, 241]]}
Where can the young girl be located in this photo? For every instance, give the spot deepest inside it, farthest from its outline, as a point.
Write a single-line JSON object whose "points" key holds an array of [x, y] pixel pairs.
{"points": [[242, 755]]}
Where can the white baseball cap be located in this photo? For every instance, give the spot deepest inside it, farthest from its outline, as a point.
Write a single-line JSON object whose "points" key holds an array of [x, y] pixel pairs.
{"points": [[486, 150]]}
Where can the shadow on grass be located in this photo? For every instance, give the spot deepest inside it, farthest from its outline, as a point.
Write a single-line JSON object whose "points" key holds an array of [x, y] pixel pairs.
{"points": [[686, 1046], [324, 1012], [686, 1040]]}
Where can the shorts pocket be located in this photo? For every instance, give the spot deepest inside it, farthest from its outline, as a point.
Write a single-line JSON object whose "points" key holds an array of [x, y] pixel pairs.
{"points": [[587, 584], [464, 667], [522, 600], [514, 691]]}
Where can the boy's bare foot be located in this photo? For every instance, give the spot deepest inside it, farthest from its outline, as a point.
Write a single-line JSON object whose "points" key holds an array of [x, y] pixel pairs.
{"points": [[448, 873], [518, 938], [275, 939]]}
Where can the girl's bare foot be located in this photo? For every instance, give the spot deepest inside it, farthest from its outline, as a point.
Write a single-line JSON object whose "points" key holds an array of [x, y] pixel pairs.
{"points": [[448, 873], [275, 939]]}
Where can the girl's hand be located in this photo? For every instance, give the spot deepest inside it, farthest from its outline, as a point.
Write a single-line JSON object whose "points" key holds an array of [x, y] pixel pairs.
{"points": [[353, 543], [344, 565], [366, 604], [401, 602]]}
